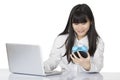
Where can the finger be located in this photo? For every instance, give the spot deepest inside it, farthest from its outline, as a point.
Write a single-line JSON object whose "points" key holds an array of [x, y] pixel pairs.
{"points": [[88, 54], [71, 57], [79, 54], [74, 55]]}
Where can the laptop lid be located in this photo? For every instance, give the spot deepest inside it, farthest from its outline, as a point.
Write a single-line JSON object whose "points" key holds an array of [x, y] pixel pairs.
{"points": [[25, 59]]}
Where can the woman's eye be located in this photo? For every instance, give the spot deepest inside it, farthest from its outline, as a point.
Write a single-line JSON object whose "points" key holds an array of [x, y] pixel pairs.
{"points": [[83, 23], [79, 23], [76, 23]]}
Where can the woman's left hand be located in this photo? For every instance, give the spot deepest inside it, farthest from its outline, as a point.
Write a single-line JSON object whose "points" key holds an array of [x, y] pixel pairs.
{"points": [[84, 62]]}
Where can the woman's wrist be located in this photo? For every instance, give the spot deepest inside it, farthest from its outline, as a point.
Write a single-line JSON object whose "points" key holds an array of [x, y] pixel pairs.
{"points": [[87, 66]]}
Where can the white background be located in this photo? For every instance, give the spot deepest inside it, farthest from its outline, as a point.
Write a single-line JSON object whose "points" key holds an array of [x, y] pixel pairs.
{"points": [[40, 21]]}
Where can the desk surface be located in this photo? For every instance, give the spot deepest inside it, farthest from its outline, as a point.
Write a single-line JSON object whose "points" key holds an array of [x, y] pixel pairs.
{"points": [[6, 75]]}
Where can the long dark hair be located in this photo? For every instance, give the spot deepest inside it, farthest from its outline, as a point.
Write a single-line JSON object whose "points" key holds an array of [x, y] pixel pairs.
{"points": [[81, 13]]}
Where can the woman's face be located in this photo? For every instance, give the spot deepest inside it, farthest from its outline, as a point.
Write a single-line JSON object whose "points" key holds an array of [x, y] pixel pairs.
{"points": [[81, 28]]}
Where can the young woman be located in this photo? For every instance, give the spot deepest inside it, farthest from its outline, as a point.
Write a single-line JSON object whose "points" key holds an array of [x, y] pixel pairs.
{"points": [[80, 30]]}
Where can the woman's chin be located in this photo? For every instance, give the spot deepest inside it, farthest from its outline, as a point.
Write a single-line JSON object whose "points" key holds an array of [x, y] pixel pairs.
{"points": [[81, 34]]}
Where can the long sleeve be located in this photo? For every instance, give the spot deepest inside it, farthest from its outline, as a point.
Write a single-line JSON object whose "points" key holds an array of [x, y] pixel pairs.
{"points": [[55, 55], [97, 60]]}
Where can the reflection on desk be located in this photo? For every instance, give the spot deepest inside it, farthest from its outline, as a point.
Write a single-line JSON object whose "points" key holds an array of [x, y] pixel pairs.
{"points": [[64, 76], [6, 75]]}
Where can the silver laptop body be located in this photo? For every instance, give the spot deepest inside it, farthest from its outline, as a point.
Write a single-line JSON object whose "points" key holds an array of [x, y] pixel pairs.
{"points": [[26, 59]]}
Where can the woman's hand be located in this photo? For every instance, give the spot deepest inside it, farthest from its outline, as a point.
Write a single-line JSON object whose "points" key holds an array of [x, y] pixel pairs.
{"points": [[84, 62]]}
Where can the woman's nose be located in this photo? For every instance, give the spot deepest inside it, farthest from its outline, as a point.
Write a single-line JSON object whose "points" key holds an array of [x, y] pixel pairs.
{"points": [[79, 26]]}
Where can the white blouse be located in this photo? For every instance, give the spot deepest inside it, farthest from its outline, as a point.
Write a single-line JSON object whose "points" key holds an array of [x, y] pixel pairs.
{"points": [[56, 57]]}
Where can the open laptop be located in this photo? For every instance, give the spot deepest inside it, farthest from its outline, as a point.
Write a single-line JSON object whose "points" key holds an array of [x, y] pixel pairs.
{"points": [[26, 59]]}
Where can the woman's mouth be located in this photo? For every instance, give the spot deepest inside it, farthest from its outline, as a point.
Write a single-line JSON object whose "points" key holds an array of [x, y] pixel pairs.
{"points": [[80, 31]]}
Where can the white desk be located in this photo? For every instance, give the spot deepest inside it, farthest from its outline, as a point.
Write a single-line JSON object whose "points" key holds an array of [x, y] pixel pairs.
{"points": [[6, 75]]}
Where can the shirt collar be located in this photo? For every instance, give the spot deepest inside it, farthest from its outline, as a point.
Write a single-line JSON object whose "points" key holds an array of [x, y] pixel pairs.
{"points": [[82, 39]]}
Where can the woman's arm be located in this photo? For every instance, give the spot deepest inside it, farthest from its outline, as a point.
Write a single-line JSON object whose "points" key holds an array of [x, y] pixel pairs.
{"points": [[97, 60], [55, 56]]}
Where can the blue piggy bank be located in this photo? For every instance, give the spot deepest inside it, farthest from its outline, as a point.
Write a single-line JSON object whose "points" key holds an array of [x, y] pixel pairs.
{"points": [[81, 49]]}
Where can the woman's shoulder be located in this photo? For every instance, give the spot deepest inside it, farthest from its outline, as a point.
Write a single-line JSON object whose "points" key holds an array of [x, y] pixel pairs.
{"points": [[60, 39], [100, 41]]}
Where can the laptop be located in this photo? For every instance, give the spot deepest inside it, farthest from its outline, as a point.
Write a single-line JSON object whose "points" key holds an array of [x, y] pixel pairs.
{"points": [[26, 59]]}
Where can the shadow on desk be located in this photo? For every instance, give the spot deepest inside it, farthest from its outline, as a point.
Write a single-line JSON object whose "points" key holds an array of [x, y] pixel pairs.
{"points": [[64, 76]]}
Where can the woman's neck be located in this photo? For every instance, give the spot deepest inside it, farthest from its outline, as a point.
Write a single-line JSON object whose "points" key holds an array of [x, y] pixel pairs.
{"points": [[80, 37]]}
